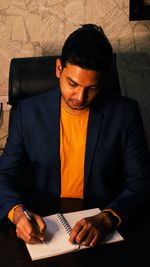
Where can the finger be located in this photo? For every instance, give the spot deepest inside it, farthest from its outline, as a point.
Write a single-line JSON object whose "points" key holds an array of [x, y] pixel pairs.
{"points": [[82, 234], [91, 239], [33, 240], [28, 236], [94, 241], [80, 231], [40, 223], [29, 239], [76, 229], [24, 236], [26, 231], [40, 227]]}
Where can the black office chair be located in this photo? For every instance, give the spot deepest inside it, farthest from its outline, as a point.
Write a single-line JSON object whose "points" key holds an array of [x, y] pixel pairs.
{"points": [[31, 76], [34, 75]]}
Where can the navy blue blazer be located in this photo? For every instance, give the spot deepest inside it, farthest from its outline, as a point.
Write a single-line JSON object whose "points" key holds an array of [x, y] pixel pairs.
{"points": [[116, 171]]}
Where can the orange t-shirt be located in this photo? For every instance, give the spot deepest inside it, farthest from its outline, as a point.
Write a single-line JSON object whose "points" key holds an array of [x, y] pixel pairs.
{"points": [[73, 131]]}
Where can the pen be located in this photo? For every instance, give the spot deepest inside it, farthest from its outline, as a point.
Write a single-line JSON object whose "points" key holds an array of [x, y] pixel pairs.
{"points": [[32, 222]]}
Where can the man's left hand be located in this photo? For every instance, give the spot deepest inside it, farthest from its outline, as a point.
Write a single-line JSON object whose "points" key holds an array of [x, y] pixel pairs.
{"points": [[91, 230]]}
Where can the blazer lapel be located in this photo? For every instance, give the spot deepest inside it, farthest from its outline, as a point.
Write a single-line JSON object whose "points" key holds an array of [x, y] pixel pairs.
{"points": [[93, 132], [52, 135]]}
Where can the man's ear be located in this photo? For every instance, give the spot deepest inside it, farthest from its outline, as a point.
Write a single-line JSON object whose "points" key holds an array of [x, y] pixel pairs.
{"points": [[58, 68]]}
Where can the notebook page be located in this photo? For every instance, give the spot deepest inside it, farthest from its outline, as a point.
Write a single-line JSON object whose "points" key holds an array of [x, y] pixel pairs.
{"points": [[73, 217]]}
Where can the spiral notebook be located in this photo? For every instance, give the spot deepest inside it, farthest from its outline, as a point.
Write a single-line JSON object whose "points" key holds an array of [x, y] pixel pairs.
{"points": [[59, 227]]}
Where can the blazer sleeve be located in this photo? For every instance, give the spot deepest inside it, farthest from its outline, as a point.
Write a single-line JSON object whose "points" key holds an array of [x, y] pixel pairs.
{"points": [[11, 163], [136, 164]]}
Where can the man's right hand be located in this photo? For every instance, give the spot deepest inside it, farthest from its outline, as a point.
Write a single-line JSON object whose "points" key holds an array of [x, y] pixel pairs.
{"points": [[24, 228]]}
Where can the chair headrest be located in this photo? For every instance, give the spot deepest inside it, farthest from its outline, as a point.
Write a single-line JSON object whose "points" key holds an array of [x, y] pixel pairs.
{"points": [[31, 76]]}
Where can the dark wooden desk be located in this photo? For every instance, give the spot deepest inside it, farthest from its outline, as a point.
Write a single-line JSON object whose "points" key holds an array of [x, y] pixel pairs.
{"points": [[134, 251]]}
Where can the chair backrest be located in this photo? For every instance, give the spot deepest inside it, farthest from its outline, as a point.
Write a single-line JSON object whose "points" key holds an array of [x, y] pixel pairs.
{"points": [[34, 75], [31, 76]]}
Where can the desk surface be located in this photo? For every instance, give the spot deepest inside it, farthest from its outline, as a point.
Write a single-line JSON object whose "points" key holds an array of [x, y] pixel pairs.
{"points": [[134, 251]]}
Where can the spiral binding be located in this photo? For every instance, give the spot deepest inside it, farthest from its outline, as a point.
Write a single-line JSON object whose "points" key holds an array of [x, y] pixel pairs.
{"points": [[65, 223]]}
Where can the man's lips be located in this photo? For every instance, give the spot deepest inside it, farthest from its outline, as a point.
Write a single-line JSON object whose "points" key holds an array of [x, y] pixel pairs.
{"points": [[76, 103]]}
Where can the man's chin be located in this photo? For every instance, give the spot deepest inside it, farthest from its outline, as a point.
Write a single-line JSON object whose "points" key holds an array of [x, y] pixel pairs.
{"points": [[75, 106]]}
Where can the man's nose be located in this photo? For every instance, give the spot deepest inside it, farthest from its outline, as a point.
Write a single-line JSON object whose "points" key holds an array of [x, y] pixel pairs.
{"points": [[81, 94]]}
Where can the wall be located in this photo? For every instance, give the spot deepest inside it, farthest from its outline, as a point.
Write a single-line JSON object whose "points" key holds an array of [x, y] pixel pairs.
{"points": [[39, 27]]}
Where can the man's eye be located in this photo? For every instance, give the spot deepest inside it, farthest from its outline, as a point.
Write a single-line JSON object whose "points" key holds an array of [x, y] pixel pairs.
{"points": [[72, 84]]}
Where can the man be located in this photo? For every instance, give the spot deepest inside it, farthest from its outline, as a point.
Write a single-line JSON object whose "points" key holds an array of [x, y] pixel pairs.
{"points": [[80, 143]]}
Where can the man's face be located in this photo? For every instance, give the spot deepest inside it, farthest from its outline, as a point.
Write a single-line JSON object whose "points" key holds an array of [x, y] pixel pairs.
{"points": [[78, 86]]}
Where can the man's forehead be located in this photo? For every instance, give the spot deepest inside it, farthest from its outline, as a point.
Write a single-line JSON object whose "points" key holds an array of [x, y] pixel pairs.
{"points": [[75, 72]]}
